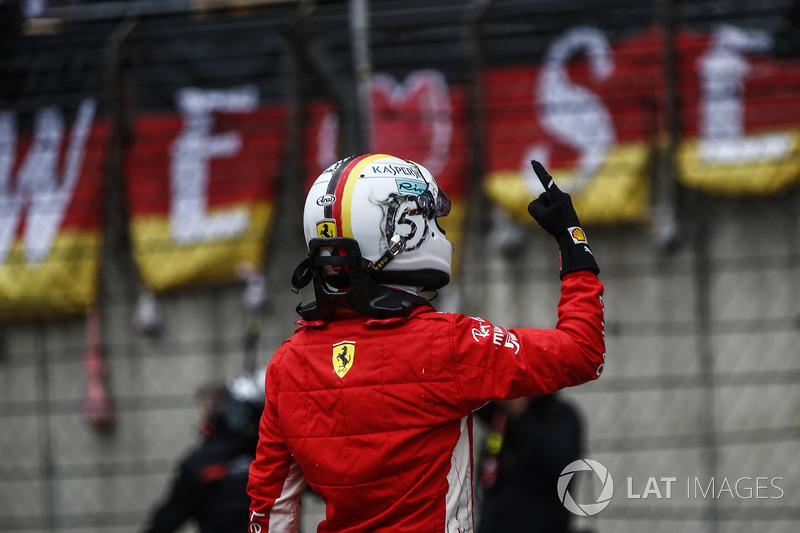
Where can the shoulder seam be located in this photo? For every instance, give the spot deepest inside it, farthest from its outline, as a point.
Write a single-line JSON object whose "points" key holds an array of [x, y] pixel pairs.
{"points": [[453, 363]]}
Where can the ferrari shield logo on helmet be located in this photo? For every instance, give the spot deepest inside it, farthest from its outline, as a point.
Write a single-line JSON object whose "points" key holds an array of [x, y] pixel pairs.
{"points": [[343, 354], [326, 228]]}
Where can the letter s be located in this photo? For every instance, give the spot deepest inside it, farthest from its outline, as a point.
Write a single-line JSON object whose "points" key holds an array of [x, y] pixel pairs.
{"points": [[571, 113]]}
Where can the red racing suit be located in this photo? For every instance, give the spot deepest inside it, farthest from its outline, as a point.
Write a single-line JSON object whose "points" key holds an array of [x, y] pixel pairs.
{"points": [[375, 415]]}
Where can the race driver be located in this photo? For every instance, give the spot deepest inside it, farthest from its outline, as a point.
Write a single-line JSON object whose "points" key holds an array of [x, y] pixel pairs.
{"points": [[370, 401]]}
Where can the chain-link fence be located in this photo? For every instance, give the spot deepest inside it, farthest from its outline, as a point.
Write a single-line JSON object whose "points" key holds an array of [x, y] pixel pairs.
{"points": [[154, 158]]}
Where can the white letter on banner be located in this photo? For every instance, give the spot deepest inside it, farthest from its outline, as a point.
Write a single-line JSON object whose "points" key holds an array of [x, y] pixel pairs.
{"points": [[722, 70], [38, 185], [193, 149], [426, 91], [571, 113]]}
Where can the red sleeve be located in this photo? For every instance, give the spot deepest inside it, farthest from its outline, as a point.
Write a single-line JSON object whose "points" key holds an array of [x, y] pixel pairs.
{"points": [[492, 363], [275, 480]]}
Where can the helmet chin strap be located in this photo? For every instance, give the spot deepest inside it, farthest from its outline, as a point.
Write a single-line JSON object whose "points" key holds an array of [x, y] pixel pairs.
{"points": [[397, 245]]}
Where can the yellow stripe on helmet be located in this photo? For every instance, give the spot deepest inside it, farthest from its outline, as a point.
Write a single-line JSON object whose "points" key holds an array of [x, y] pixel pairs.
{"points": [[347, 196]]}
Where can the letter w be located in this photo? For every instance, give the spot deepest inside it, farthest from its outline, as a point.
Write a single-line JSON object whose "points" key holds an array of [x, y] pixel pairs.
{"points": [[38, 185]]}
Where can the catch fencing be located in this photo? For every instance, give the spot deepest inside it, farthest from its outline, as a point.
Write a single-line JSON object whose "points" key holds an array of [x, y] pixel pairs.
{"points": [[154, 158]]}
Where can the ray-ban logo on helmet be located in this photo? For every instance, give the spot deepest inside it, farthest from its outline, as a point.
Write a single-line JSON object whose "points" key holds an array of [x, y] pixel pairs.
{"points": [[585, 509], [326, 200], [414, 187], [343, 354]]}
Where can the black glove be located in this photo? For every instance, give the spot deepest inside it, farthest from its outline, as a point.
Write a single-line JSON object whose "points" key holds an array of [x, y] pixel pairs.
{"points": [[554, 212]]}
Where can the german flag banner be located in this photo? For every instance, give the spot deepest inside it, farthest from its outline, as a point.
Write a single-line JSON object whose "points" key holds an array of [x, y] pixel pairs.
{"points": [[208, 135], [593, 112], [53, 148], [419, 117], [201, 187], [50, 212], [587, 113], [741, 113]]}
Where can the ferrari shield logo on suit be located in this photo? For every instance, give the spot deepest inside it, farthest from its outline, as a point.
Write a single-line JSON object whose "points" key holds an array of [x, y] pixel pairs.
{"points": [[343, 354]]}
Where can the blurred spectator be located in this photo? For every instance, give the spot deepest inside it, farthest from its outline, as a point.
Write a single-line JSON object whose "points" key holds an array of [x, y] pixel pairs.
{"points": [[210, 486], [530, 441]]}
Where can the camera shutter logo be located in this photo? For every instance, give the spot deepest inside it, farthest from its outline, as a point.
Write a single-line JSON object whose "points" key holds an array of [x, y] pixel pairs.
{"points": [[586, 509]]}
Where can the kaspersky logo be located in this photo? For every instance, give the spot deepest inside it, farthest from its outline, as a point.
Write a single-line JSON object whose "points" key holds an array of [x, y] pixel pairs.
{"points": [[585, 509]]}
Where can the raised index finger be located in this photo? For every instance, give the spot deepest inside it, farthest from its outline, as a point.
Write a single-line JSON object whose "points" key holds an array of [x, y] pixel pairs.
{"points": [[544, 177]]}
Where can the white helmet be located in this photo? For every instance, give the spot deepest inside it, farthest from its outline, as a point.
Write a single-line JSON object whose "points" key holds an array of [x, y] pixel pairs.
{"points": [[389, 206]]}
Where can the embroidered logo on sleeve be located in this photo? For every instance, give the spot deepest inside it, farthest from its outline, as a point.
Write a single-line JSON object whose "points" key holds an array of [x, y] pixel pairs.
{"points": [[500, 336], [343, 354], [482, 329], [506, 339]]}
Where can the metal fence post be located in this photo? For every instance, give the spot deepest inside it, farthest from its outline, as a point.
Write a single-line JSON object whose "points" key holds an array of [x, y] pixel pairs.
{"points": [[362, 66], [477, 205]]}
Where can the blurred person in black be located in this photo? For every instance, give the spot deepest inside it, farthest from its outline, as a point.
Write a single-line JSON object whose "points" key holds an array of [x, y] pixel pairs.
{"points": [[210, 485], [530, 441]]}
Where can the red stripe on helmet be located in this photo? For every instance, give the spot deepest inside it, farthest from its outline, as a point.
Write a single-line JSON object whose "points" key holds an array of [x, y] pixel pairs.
{"points": [[340, 184]]}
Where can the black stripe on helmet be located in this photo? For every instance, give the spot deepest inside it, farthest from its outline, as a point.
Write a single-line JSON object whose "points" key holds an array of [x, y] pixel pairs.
{"points": [[337, 172]]}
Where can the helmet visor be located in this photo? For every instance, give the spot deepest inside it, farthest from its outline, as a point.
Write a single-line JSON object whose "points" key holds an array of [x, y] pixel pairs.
{"points": [[433, 207]]}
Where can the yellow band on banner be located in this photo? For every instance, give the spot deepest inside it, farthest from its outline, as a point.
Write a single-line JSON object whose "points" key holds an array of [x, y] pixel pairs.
{"points": [[758, 176], [64, 283], [164, 265], [618, 192]]}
